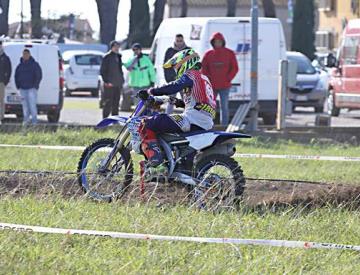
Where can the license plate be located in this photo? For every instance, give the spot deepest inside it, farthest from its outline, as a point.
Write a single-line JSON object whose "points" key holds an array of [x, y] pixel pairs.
{"points": [[13, 99], [91, 72], [301, 98]]}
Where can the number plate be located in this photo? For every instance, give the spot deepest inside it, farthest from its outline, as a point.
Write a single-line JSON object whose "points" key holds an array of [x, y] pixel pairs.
{"points": [[91, 72], [301, 98], [13, 99]]}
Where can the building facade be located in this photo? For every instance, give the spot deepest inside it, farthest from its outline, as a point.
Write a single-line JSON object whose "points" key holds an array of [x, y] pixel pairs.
{"points": [[333, 17], [218, 8]]}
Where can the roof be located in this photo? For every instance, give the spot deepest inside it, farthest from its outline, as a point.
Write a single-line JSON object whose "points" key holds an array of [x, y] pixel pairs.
{"points": [[294, 54], [204, 20], [221, 2], [70, 53]]}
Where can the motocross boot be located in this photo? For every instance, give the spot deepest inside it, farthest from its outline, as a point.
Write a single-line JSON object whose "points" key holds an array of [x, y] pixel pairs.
{"points": [[152, 152]]}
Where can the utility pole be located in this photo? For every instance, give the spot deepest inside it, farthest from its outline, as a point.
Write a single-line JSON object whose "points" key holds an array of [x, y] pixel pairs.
{"points": [[22, 20], [254, 65]]}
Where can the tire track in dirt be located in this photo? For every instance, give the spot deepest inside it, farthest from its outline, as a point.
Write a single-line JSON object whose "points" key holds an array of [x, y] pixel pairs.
{"points": [[258, 193]]}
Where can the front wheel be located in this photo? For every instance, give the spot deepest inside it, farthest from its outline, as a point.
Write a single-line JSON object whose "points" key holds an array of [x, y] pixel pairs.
{"points": [[221, 183], [105, 184]]}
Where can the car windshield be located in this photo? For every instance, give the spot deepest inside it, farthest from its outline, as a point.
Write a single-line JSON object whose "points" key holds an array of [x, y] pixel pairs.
{"points": [[88, 59], [303, 64]]}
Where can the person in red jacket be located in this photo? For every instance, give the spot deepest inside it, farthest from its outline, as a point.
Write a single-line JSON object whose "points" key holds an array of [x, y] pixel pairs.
{"points": [[220, 66]]}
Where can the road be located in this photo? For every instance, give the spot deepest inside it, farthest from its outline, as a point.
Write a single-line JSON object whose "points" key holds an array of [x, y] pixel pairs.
{"points": [[84, 110]]}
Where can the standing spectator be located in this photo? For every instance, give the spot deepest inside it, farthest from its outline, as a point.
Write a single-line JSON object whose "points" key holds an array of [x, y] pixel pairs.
{"points": [[220, 65], [112, 75], [170, 75], [141, 70], [179, 45], [5, 73], [28, 76]]}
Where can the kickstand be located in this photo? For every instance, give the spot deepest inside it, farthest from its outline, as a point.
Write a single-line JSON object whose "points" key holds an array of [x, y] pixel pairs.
{"points": [[142, 180]]}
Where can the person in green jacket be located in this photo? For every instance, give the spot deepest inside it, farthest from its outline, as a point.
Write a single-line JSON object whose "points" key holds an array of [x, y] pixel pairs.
{"points": [[141, 71]]}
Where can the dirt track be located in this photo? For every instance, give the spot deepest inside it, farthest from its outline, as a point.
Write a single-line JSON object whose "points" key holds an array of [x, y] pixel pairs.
{"points": [[257, 193]]}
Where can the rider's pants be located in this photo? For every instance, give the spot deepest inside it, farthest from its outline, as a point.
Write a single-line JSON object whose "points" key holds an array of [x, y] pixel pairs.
{"points": [[150, 127]]}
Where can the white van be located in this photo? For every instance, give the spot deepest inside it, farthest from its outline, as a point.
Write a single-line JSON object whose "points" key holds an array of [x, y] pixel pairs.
{"points": [[237, 33], [50, 95]]}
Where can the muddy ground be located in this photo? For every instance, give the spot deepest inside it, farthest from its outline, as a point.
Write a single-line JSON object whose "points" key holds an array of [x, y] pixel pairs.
{"points": [[257, 193]]}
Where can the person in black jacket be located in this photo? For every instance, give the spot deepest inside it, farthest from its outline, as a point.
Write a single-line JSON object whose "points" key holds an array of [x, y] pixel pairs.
{"points": [[170, 74], [179, 45], [5, 73], [28, 76], [112, 75]]}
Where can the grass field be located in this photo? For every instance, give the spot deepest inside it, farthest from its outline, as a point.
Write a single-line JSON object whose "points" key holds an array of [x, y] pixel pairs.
{"points": [[25, 253], [327, 171], [41, 253]]}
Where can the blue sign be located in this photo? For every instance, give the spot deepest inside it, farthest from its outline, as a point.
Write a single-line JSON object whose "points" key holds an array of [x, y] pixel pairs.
{"points": [[243, 48]]}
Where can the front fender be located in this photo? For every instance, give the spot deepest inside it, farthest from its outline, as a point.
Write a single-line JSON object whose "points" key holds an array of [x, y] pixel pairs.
{"points": [[112, 120]]}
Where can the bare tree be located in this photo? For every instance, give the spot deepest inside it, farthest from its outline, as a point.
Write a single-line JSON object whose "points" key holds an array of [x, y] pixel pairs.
{"points": [[159, 6], [4, 17], [269, 8], [36, 18], [108, 10], [231, 8], [184, 8], [139, 27]]}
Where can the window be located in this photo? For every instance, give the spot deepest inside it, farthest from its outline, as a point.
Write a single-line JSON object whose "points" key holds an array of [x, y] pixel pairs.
{"points": [[303, 64], [326, 5], [88, 59], [350, 50], [324, 40]]}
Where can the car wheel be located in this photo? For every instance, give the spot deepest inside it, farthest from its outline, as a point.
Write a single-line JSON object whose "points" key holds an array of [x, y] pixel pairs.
{"points": [[269, 119], [319, 109], [95, 93], [53, 116], [67, 92], [332, 109]]}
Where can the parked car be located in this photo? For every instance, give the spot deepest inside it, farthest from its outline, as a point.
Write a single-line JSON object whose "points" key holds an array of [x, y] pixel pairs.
{"points": [[311, 84], [81, 70], [50, 94], [197, 33], [344, 86]]}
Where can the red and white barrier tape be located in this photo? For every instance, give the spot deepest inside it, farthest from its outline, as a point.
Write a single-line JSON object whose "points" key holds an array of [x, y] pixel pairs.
{"points": [[110, 234], [255, 156], [298, 157]]}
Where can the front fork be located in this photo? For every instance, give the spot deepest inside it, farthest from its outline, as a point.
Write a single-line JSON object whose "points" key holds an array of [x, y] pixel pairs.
{"points": [[119, 143]]}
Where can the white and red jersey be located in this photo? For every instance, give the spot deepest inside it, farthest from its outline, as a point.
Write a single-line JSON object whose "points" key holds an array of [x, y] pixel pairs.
{"points": [[200, 103], [201, 91]]}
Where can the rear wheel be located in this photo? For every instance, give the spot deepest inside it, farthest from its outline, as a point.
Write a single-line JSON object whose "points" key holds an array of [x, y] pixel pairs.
{"points": [[68, 92], [221, 183], [319, 109], [95, 93], [269, 119], [53, 116], [108, 184]]}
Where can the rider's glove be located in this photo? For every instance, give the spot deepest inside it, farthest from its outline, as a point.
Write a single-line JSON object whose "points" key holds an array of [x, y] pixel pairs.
{"points": [[179, 103], [143, 94]]}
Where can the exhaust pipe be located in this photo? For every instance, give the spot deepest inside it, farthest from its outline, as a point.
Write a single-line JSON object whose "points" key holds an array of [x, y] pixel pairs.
{"points": [[183, 178]]}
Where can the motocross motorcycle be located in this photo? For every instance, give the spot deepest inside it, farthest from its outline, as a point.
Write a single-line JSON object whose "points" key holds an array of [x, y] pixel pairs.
{"points": [[202, 160]]}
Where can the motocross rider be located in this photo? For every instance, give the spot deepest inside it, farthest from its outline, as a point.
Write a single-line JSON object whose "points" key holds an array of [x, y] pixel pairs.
{"points": [[199, 104]]}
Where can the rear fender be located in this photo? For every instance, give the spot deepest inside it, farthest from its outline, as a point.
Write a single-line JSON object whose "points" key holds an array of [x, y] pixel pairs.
{"points": [[111, 120]]}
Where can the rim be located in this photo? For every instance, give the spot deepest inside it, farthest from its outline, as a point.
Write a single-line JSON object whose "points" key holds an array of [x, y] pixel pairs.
{"points": [[103, 185], [216, 188]]}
